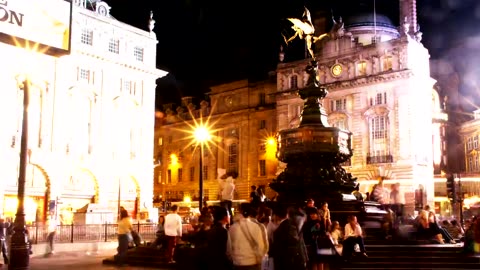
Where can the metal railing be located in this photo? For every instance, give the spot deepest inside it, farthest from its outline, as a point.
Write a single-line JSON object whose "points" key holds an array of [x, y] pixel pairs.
{"points": [[87, 233]]}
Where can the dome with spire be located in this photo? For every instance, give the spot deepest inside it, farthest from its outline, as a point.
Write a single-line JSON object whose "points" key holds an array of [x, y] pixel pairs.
{"points": [[368, 28]]}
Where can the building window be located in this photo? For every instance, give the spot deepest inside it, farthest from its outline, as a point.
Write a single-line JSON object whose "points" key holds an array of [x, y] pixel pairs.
{"points": [[261, 99], [160, 141], [380, 98], [180, 174], [293, 82], [387, 63], [375, 39], [233, 158], [138, 53], [205, 172], [262, 167], [192, 174], [362, 68], [114, 46], [469, 144], [262, 124], [127, 87], [475, 164], [340, 123], [86, 37], [475, 142], [338, 105], [379, 147], [169, 176], [84, 75]]}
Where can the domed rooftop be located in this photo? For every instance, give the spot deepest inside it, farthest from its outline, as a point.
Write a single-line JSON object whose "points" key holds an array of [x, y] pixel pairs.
{"points": [[367, 19]]}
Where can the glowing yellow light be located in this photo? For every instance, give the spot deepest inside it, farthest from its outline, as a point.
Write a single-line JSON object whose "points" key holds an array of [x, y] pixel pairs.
{"points": [[202, 134], [271, 141], [187, 199], [270, 147], [173, 159]]}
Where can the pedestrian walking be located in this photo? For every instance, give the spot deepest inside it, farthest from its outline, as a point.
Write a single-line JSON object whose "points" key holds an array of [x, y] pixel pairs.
{"points": [[3, 239], [52, 231], [124, 236], [173, 230]]}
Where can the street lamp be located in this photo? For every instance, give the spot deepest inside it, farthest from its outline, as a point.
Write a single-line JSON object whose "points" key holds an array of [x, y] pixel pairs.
{"points": [[19, 257], [201, 135]]}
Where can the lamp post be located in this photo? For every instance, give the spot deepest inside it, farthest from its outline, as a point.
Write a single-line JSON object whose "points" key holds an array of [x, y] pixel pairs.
{"points": [[201, 135], [19, 257]]}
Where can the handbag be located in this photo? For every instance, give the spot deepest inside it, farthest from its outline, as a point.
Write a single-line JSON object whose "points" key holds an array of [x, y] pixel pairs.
{"points": [[253, 244]]}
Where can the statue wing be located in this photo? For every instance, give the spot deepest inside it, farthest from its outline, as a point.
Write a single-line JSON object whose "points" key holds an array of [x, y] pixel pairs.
{"points": [[305, 27]]}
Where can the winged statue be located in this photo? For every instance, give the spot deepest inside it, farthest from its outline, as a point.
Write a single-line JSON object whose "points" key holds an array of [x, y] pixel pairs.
{"points": [[304, 30]]}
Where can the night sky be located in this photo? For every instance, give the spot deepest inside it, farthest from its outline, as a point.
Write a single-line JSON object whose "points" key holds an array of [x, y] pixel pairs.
{"points": [[203, 43]]}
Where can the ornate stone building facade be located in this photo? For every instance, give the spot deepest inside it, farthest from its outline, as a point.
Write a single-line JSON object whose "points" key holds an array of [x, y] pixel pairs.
{"points": [[241, 117], [380, 89], [90, 114]]}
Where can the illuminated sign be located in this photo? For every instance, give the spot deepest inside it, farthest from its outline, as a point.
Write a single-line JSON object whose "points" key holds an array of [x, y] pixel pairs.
{"points": [[46, 23]]}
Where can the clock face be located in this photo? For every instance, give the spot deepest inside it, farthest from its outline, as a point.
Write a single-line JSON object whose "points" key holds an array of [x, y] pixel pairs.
{"points": [[102, 10], [229, 101], [337, 70]]}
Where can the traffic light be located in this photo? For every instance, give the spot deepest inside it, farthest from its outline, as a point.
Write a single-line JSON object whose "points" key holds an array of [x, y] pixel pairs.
{"points": [[451, 193]]}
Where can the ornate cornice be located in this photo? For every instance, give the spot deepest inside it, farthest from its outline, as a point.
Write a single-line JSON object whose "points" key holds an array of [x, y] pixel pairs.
{"points": [[372, 79]]}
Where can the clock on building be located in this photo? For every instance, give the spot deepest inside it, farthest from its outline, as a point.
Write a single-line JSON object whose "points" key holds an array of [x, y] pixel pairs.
{"points": [[337, 70], [103, 8], [229, 101]]}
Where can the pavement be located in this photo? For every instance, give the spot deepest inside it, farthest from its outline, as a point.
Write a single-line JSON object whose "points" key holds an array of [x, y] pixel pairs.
{"points": [[76, 256]]}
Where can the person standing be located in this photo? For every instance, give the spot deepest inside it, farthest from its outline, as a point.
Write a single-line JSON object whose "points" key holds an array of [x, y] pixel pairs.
{"points": [[228, 189], [124, 236], [254, 196], [288, 249], [173, 230], [217, 254], [397, 200], [52, 231], [247, 245], [3, 239]]}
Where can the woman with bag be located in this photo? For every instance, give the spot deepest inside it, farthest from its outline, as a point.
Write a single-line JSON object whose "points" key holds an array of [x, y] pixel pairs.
{"points": [[124, 236]]}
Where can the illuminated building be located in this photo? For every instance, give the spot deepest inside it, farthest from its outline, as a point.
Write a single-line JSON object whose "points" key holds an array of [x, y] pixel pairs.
{"points": [[380, 88], [241, 119], [90, 114]]}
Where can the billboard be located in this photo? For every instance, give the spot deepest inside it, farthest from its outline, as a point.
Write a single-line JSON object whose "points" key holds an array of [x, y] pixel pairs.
{"points": [[44, 23]]}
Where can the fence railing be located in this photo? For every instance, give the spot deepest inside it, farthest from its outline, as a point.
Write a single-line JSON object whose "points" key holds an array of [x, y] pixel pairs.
{"points": [[87, 233]]}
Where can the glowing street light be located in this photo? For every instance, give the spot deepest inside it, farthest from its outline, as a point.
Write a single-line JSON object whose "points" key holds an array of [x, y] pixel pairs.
{"points": [[201, 135]]}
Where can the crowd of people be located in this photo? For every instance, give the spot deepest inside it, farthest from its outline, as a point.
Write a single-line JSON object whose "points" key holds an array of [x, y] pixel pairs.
{"points": [[258, 236]]}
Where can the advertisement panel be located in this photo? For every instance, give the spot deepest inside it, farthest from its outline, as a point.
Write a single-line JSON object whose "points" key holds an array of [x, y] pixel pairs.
{"points": [[46, 23]]}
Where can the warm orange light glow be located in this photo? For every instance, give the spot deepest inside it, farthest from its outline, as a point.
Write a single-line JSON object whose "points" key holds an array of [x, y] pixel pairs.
{"points": [[202, 134], [270, 147], [173, 159]]}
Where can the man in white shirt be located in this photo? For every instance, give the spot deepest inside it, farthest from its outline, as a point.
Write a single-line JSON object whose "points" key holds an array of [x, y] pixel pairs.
{"points": [[247, 243], [173, 230], [228, 188], [353, 236]]}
